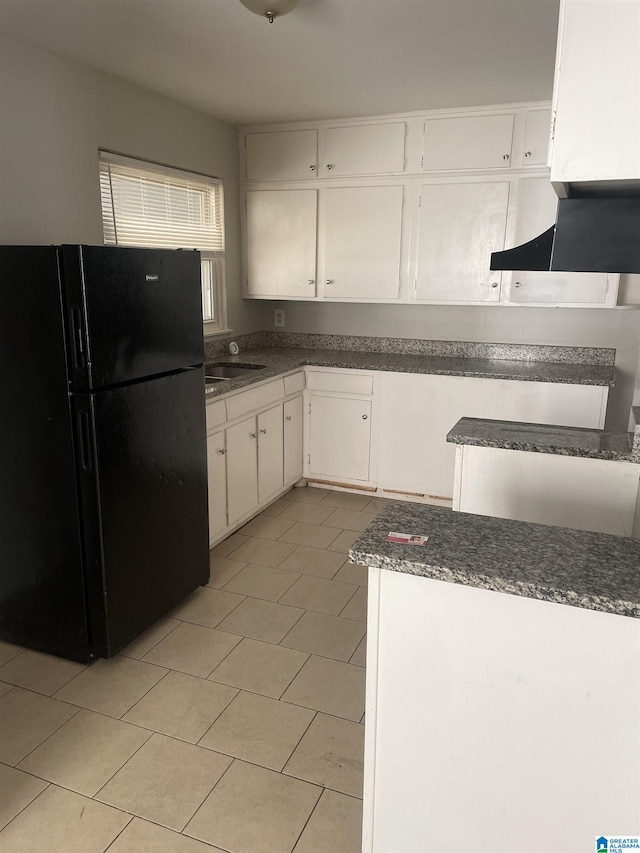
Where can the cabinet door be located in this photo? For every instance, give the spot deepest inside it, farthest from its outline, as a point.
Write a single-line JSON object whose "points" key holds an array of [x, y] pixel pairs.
{"points": [[293, 440], [339, 438], [597, 93], [537, 130], [363, 230], [270, 453], [242, 468], [373, 149], [217, 478], [460, 225], [536, 212], [281, 243], [281, 155], [469, 142]]}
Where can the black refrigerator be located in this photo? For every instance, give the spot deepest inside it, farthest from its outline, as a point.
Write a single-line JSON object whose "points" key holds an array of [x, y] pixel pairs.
{"points": [[103, 472]]}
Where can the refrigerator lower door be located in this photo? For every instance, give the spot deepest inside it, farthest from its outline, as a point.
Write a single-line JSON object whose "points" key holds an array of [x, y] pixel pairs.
{"points": [[143, 485]]}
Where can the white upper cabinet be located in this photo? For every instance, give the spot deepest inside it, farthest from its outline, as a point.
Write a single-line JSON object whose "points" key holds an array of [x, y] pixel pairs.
{"points": [[362, 242], [281, 155], [536, 212], [460, 225], [597, 93], [468, 142], [281, 243], [368, 149], [537, 129]]}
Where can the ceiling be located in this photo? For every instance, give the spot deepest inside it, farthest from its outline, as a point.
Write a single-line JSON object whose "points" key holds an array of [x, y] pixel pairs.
{"points": [[326, 59]]}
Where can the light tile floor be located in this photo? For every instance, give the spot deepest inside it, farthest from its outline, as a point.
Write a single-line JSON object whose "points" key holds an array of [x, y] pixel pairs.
{"points": [[234, 724]]}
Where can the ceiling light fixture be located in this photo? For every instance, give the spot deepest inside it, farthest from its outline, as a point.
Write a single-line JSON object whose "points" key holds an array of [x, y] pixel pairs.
{"points": [[270, 9]]}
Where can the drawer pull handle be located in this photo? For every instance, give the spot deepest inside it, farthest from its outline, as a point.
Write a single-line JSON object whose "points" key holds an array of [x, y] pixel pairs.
{"points": [[252, 435], [527, 154], [222, 451], [364, 417], [288, 417], [517, 284], [505, 156], [494, 284], [312, 168], [263, 431]]}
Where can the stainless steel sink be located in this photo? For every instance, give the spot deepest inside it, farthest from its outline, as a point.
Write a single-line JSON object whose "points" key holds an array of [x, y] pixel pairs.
{"points": [[220, 371]]}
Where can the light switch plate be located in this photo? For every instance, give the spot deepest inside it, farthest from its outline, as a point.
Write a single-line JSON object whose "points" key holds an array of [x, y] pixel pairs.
{"points": [[278, 318]]}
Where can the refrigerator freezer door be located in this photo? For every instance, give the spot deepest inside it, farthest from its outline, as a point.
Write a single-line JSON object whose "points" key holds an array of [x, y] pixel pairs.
{"points": [[131, 313], [143, 482], [42, 596]]}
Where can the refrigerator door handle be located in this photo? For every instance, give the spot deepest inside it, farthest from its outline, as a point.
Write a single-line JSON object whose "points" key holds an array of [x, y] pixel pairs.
{"points": [[84, 440], [77, 335]]}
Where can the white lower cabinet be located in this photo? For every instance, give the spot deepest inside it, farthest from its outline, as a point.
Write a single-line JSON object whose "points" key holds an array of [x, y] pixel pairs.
{"points": [[340, 428], [417, 411], [339, 438], [292, 440], [217, 479], [252, 456], [242, 469], [270, 453]]}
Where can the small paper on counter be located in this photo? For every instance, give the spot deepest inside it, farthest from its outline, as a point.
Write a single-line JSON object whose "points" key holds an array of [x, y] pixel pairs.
{"points": [[407, 538]]}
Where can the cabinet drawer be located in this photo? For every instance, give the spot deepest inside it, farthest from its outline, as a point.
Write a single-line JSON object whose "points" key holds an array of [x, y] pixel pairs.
{"points": [[254, 398], [293, 384], [346, 383], [216, 414]]}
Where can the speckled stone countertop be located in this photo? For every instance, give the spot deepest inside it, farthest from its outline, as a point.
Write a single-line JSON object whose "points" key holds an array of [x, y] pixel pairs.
{"points": [[595, 571], [544, 438], [279, 360]]}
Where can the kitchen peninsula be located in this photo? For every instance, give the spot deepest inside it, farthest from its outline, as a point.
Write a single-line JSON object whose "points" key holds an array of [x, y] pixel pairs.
{"points": [[503, 685]]}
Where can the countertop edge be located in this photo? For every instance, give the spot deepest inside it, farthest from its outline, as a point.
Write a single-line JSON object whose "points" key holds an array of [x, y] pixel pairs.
{"points": [[462, 433], [569, 597]]}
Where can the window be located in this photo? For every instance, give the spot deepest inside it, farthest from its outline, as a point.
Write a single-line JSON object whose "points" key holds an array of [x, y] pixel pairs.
{"points": [[144, 204]]}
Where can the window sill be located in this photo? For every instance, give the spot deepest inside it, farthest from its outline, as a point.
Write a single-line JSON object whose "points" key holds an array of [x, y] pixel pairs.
{"points": [[216, 333]]}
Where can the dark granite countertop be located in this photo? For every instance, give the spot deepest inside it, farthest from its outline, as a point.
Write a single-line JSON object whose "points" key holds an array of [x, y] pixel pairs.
{"points": [[595, 571], [544, 438], [280, 360]]}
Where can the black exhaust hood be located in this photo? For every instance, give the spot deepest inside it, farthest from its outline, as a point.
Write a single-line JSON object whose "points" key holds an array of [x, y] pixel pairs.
{"points": [[590, 235]]}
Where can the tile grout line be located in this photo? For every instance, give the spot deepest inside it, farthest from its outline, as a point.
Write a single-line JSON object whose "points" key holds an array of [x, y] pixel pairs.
{"points": [[37, 797]]}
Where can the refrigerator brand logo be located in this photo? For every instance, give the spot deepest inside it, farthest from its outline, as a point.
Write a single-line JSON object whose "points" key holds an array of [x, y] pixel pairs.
{"points": [[150, 277]]}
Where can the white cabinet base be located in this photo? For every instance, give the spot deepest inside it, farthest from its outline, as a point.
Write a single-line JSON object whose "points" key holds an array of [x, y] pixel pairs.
{"points": [[496, 723]]}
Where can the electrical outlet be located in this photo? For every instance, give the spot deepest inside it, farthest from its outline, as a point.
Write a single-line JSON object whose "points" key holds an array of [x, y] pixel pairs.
{"points": [[278, 318]]}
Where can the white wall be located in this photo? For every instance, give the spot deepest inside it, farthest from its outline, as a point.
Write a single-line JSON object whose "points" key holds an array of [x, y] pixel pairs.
{"points": [[56, 114], [617, 328]]}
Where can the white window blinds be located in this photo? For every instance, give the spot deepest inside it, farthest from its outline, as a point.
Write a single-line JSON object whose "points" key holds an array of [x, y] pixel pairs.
{"points": [[144, 205]]}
